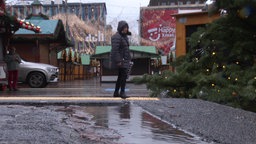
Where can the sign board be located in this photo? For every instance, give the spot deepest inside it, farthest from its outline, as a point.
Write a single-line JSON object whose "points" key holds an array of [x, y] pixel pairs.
{"points": [[159, 27]]}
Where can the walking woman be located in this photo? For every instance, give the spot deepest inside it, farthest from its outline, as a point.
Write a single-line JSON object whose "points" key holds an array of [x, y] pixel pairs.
{"points": [[120, 57]]}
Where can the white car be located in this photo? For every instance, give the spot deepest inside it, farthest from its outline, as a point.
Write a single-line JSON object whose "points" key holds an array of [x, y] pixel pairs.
{"points": [[37, 75]]}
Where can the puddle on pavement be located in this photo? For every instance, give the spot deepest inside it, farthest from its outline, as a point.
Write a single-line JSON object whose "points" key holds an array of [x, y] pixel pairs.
{"points": [[136, 126]]}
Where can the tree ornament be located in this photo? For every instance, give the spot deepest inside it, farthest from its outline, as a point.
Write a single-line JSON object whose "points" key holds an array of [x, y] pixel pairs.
{"points": [[234, 94]]}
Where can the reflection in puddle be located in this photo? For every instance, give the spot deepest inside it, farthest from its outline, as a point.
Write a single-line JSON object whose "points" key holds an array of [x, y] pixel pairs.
{"points": [[137, 126]]}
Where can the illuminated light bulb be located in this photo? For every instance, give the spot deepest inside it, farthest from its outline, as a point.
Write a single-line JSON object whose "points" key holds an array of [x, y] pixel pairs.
{"points": [[229, 78], [213, 85], [255, 78], [223, 66], [236, 79], [237, 62], [207, 70], [213, 53], [174, 90]]}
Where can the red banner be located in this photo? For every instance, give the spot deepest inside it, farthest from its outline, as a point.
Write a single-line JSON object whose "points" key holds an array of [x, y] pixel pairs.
{"points": [[158, 28]]}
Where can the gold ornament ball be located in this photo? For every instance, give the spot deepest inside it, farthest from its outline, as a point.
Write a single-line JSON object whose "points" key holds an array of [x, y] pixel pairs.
{"points": [[234, 93]]}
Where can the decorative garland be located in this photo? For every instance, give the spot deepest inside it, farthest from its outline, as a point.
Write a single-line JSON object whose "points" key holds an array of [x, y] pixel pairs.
{"points": [[29, 26]]}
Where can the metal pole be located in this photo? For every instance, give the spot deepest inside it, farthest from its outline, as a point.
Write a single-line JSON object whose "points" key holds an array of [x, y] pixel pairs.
{"points": [[1, 49], [65, 61]]}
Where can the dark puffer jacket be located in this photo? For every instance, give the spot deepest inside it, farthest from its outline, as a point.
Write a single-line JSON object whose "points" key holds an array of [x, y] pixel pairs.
{"points": [[120, 47]]}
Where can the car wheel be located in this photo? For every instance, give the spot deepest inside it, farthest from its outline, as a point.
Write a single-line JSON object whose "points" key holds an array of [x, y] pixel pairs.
{"points": [[36, 80]]}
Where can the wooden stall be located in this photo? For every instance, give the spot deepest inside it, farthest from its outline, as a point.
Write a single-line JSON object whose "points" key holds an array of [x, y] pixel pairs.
{"points": [[186, 24], [141, 56]]}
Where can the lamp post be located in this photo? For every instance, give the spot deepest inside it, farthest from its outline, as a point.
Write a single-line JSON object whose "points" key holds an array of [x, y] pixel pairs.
{"points": [[66, 9]]}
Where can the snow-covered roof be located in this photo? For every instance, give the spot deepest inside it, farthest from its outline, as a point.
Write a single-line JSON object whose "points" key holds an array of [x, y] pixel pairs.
{"points": [[182, 11]]}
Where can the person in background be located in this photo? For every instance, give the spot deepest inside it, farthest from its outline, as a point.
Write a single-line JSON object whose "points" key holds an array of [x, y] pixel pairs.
{"points": [[13, 60], [120, 57]]}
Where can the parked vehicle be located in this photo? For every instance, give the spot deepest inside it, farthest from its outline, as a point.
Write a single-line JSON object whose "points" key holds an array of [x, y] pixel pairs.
{"points": [[37, 75]]}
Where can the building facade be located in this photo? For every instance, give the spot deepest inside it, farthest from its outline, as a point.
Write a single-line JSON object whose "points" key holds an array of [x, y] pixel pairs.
{"points": [[174, 2], [85, 11]]}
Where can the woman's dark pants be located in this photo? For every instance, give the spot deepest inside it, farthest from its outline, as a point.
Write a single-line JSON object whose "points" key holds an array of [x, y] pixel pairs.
{"points": [[121, 80]]}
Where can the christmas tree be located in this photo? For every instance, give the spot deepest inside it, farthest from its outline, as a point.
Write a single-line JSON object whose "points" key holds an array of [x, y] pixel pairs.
{"points": [[220, 65]]}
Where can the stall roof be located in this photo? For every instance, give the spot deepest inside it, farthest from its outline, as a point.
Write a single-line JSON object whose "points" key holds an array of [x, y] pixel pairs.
{"points": [[50, 29], [144, 51], [47, 27]]}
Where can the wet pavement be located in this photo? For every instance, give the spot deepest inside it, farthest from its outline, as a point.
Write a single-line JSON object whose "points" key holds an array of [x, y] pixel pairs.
{"points": [[83, 111], [137, 126], [80, 88], [73, 124]]}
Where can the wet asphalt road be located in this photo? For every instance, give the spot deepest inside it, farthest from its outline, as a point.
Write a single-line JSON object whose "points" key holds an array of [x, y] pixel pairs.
{"points": [[80, 88]]}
